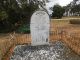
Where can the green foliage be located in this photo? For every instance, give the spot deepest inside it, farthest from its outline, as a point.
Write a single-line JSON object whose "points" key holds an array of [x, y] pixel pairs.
{"points": [[75, 21], [28, 8], [3, 15], [74, 8], [11, 13], [58, 11], [24, 29]]}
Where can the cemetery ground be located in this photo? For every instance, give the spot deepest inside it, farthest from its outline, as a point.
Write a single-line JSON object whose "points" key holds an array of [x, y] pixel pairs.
{"points": [[60, 30]]}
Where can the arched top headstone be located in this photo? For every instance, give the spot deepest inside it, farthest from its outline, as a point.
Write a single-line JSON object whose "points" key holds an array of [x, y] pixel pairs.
{"points": [[39, 25], [40, 16]]}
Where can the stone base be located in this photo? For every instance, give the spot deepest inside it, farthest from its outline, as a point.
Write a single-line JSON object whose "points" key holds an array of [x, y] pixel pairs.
{"points": [[57, 51], [37, 44]]}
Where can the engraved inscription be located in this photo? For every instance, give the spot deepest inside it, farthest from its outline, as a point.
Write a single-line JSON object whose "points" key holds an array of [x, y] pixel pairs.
{"points": [[39, 26]]}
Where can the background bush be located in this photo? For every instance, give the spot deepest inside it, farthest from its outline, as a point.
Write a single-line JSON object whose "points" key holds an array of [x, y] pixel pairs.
{"points": [[75, 21], [58, 11], [12, 14], [24, 29]]}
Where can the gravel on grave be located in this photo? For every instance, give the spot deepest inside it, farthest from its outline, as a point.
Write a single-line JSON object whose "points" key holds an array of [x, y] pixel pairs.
{"points": [[56, 51]]}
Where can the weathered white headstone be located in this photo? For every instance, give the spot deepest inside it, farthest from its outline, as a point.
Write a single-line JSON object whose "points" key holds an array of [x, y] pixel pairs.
{"points": [[40, 24]]}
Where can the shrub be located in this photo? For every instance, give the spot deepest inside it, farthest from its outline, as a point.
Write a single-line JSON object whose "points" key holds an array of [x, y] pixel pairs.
{"points": [[24, 29], [3, 15], [75, 21], [58, 11]]}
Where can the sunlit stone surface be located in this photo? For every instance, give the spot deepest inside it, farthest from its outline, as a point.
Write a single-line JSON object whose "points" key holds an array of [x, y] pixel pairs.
{"points": [[39, 26], [57, 51]]}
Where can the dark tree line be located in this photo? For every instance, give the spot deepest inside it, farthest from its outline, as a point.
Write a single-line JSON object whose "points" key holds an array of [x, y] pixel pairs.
{"points": [[58, 11], [13, 12], [73, 8]]}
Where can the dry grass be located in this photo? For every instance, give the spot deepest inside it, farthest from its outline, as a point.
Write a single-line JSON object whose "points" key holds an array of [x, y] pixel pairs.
{"points": [[68, 33], [59, 30], [71, 17]]}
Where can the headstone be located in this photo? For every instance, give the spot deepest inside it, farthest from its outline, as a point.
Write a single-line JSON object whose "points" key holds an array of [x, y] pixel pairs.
{"points": [[40, 24]]}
